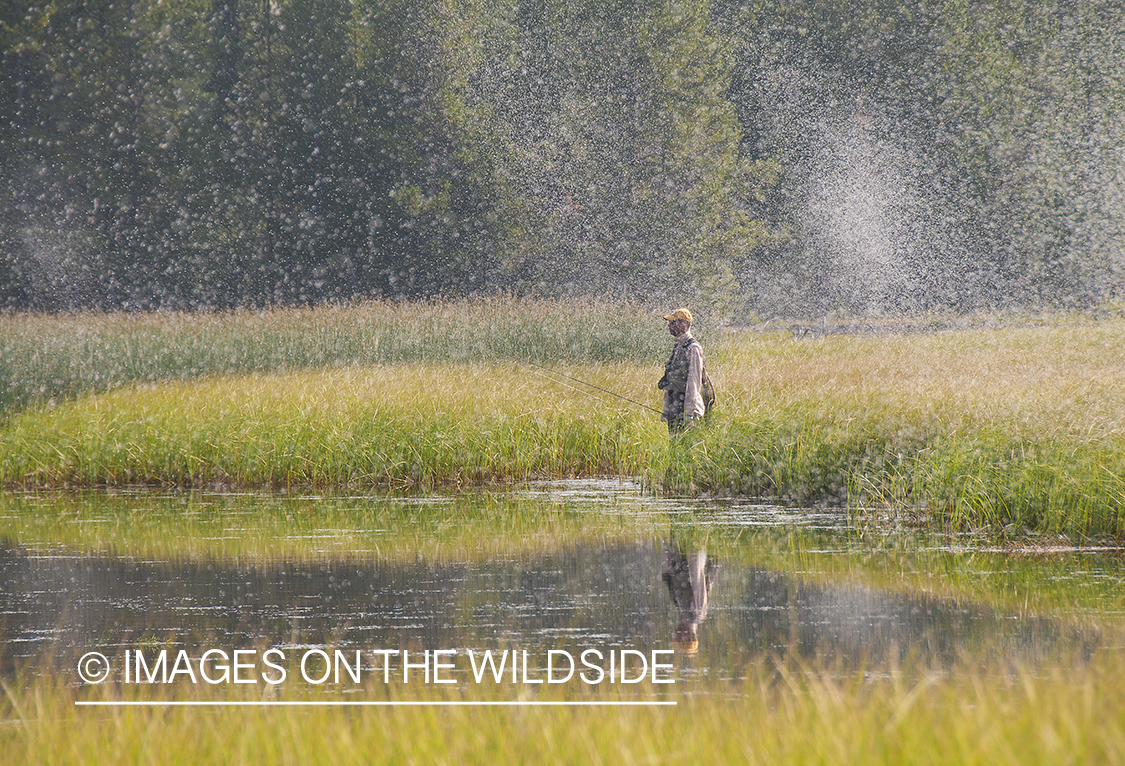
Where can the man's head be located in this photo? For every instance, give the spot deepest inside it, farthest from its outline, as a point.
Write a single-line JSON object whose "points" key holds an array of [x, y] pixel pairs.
{"points": [[679, 321]]}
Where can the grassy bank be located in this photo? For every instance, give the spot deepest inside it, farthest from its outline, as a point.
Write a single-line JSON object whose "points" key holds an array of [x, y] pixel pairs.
{"points": [[780, 714], [395, 426], [1007, 430]]}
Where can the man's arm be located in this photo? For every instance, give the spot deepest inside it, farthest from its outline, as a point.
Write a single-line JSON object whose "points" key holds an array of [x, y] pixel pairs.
{"points": [[693, 393]]}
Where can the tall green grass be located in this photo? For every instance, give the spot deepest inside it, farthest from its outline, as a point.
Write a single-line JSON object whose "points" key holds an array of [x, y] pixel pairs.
{"points": [[395, 426], [1011, 430], [47, 357], [780, 713], [1005, 431]]}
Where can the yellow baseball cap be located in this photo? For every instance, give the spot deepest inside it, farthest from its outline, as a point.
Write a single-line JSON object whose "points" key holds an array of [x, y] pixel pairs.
{"points": [[683, 314], [689, 647]]}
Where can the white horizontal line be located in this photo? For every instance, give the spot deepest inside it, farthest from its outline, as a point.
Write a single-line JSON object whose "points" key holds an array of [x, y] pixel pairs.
{"points": [[362, 703]]}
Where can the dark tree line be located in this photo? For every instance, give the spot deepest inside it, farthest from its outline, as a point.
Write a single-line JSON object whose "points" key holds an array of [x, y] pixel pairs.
{"points": [[779, 155]]}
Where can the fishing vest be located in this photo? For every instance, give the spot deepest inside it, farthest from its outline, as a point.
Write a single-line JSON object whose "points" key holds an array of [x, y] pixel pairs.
{"points": [[676, 375], [676, 369]]}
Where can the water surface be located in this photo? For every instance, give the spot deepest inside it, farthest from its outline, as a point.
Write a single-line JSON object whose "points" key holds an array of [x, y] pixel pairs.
{"points": [[561, 565]]}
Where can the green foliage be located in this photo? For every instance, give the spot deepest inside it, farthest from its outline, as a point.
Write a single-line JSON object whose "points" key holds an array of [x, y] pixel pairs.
{"points": [[1036, 94], [980, 713], [192, 154], [999, 123], [215, 153]]}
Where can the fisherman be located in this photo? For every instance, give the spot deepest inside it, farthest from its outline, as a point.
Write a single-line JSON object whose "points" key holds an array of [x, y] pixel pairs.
{"points": [[685, 382]]}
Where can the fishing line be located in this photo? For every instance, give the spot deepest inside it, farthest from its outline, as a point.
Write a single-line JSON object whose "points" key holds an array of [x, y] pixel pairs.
{"points": [[591, 385]]}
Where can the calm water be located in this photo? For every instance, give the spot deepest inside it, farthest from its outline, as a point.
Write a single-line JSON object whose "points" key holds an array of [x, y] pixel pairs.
{"points": [[723, 583]]}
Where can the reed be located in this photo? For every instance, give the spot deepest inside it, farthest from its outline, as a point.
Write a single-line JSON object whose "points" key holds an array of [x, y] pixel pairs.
{"points": [[397, 427], [1005, 431], [61, 356], [778, 712], [1013, 430]]}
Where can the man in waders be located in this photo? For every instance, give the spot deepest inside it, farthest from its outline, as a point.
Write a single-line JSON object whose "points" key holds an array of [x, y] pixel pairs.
{"points": [[684, 376]]}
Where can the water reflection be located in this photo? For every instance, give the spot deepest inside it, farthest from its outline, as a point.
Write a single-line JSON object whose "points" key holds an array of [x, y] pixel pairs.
{"points": [[584, 595], [689, 577]]}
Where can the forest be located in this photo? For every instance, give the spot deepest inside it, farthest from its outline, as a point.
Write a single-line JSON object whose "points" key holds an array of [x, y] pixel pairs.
{"points": [[759, 158]]}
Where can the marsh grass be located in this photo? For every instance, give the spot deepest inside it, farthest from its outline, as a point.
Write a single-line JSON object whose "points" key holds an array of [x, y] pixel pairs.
{"points": [[62, 356], [397, 427], [1006, 432], [782, 712]]}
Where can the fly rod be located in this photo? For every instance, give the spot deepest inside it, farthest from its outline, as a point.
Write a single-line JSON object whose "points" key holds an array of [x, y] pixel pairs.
{"points": [[599, 388]]}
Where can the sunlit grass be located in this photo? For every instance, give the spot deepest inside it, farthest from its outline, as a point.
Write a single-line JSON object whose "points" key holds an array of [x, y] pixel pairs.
{"points": [[396, 426], [780, 713], [59, 356], [1000, 432], [1005, 431]]}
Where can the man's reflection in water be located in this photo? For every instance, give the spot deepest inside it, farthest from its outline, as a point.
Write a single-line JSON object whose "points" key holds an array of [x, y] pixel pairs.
{"points": [[689, 577]]}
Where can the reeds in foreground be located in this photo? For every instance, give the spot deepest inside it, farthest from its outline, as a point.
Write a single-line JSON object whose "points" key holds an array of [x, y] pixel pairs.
{"points": [[778, 713]]}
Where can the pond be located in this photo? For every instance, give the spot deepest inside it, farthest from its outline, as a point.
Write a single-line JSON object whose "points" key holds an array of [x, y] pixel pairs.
{"points": [[694, 587]]}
